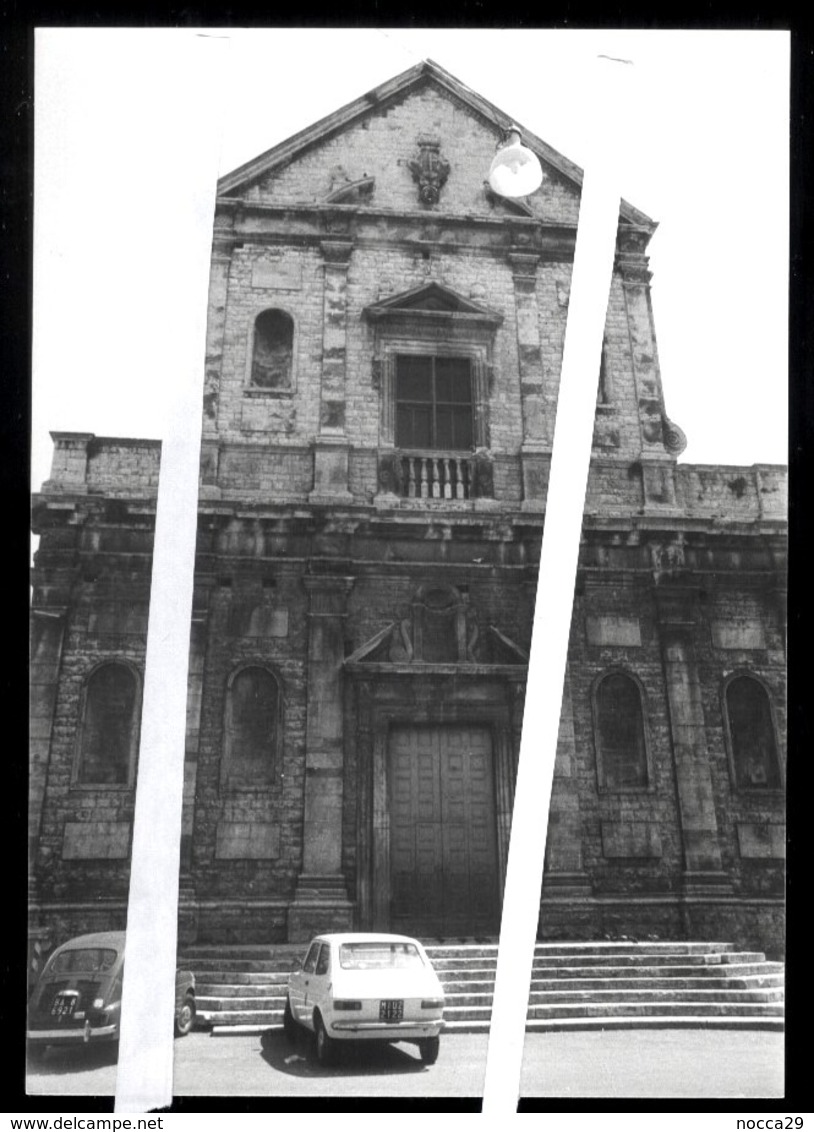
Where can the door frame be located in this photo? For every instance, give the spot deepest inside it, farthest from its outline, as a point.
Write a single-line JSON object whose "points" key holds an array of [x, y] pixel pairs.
{"points": [[432, 700]]}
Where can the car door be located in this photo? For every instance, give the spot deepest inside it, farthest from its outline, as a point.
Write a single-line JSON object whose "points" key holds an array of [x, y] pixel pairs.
{"points": [[320, 983], [299, 983]]}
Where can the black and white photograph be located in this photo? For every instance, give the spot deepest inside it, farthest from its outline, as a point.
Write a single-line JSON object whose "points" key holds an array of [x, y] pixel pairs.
{"points": [[409, 558]]}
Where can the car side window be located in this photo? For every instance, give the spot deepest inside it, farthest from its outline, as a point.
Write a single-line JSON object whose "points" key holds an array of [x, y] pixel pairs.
{"points": [[311, 958], [324, 961]]}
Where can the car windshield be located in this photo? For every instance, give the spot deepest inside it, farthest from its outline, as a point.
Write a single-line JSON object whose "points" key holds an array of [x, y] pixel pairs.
{"points": [[378, 955], [84, 959]]}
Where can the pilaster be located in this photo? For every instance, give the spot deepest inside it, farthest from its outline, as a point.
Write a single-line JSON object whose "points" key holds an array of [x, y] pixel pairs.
{"points": [[564, 874], [703, 873], [632, 265], [197, 659], [215, 329], [321, 900], [332, 450], [47, 635], [536, 441]]}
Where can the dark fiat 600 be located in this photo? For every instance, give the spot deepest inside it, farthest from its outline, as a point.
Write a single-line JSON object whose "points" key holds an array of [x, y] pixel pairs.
{"points": [[78, 996]]}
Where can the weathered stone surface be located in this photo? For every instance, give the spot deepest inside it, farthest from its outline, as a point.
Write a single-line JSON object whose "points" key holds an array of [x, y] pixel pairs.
{"points": [[104, 840], [762, 840], [734, 636], [630, 839], [612, 630], [249, 840], [309, 551]]}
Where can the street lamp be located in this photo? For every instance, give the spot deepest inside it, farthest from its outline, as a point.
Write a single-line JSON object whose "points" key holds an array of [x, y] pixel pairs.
{"points": [[515, 170]]}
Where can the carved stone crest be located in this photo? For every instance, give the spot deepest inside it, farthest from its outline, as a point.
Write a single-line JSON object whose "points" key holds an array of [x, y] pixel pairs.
{"points": [[430, 171]]}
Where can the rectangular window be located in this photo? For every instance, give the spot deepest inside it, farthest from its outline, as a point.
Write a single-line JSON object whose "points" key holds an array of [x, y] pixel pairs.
{"points": [[433, 402]]}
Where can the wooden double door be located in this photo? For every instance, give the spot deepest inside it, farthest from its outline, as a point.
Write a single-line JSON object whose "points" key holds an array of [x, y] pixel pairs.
{"points": [[443, 840]]}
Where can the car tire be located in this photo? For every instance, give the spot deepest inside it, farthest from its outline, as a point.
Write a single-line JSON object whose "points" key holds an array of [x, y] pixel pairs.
{"points": [[325, 1045], [428, 1048], [37, 1052], [185, 1018], [289, 1024]]}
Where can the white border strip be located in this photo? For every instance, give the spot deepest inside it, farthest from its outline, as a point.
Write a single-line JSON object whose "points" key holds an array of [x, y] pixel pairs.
{"points": [[145, 1071], [590, 288]]}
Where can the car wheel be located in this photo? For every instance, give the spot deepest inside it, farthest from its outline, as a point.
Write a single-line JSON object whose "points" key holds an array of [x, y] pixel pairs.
{"points": [[37, 1052], [428, 1048], [324, 1044], [289, 1024], [185, 1018]]}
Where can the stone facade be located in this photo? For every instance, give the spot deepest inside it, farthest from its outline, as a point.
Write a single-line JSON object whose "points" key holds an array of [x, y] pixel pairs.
{"points": [[364, 588]]}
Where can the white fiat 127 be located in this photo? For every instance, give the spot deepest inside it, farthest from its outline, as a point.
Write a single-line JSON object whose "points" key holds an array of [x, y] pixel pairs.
{"points": [[366, 987]]}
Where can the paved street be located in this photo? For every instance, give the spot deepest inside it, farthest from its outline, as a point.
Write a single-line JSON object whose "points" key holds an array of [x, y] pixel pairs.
{"points": [[656, 1063]]}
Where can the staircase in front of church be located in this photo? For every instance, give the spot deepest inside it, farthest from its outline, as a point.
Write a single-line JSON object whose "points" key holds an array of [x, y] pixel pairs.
{"points": [[575, 986]]}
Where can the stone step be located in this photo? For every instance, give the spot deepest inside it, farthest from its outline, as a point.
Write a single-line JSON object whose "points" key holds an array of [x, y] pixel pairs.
{"points": [[208, 1004], [217, 996], [578, 999], [265, 967], [598, 959], [276, 970], [230, 983], [260, 1018], [588, 1010], [709, 983], [598, 947], [656, 1022], [651, 994], [240, 990], [245, 951], [751, 982], [637, 1009], [666, 970], [653, 1022], [573, 986], [286, 953]]}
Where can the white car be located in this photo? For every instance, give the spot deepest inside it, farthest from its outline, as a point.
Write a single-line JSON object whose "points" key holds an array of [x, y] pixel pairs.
{"points": [[366, 987]]}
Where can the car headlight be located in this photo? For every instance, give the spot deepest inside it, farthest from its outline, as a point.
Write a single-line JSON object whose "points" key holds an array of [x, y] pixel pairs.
{"points": [[432, 1004], [98, 1003], [346, 1004]]}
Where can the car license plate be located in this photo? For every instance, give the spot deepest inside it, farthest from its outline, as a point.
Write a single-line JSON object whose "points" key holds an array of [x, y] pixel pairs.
{"points": [[391, 1010], [64, 1005]]}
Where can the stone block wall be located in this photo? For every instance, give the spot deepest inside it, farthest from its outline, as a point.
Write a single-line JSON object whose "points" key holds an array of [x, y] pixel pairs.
{"points": [[383, 144], [249, 839], [90, 826]]}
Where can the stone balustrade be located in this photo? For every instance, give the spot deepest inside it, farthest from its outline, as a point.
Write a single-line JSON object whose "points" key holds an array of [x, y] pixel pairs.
{"points": [[436, 475]]}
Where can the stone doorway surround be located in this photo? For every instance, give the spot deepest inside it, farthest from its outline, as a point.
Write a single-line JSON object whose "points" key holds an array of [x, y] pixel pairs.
{"points": [[392, 695]]}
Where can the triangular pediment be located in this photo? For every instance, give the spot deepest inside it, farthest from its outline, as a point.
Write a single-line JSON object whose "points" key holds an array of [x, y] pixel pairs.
{"points": [[432, 299], [249, 179]]}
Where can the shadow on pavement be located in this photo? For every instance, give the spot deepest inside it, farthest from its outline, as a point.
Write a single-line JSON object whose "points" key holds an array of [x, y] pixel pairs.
{"points": [[298, 1058], [58, 1060]]}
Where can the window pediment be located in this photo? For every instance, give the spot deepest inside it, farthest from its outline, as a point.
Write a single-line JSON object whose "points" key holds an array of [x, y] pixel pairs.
{"points": [[432, 303]]}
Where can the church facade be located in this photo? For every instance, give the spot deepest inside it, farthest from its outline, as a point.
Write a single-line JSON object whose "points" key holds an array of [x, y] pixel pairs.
{"points": [[384, 346]]}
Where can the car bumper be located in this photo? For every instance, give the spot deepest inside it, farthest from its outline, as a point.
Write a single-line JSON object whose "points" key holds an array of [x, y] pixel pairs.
{"points": [[387, 1031], [73, 1037]]}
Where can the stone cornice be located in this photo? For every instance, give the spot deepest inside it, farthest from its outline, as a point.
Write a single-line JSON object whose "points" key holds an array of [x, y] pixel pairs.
{"points": [[307, 225]]}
